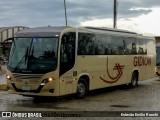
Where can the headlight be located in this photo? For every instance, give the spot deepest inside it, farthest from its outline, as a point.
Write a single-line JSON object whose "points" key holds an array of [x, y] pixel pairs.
{"points": [[9, 78], [50, 79], [47, 80]]}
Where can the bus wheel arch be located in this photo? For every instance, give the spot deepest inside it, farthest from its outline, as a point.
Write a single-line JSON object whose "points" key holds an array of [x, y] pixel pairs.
{"points": [[82, 86], [134, 79]]}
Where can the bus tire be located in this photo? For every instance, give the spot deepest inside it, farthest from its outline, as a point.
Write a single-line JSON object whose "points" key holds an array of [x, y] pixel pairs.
{"points": [[82, 88], [134, 80]]}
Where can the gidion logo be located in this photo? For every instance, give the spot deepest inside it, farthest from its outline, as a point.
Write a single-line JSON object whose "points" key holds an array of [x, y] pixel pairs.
{"points": [[141, 61], [119, 71]]}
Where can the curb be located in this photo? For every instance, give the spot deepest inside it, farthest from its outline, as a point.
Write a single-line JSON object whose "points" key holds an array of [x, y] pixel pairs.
{"points": [[3, 87]]}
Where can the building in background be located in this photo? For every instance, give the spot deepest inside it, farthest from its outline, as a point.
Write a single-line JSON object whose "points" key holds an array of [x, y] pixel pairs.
{"points": [[6, 35]]}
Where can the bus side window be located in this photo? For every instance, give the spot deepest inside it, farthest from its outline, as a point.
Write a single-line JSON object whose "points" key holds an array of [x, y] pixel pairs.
{"points": [[63, 50], [67, 59]]}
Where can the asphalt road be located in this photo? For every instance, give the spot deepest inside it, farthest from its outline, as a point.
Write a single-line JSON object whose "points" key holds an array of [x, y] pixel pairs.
{"points": [[145, 97]]}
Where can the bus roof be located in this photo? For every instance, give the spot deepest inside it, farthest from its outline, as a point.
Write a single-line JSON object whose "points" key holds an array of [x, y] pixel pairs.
{"points": [[106, 29], [121, 32], [49, 31], [52, 31]]}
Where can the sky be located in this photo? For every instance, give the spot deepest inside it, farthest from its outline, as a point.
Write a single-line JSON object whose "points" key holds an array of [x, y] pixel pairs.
{"points": [[141, 16]]}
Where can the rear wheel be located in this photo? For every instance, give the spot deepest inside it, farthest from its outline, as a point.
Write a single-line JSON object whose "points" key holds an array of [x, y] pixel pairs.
{"points": [[82, 88], [134, 80]]}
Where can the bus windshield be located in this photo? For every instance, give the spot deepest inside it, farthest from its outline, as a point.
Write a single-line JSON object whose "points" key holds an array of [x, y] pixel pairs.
{"points": [[33, 55]]}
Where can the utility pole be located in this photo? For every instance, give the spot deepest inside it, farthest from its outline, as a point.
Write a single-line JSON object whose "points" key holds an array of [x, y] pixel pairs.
{"points": [[115, 14], [65, 12]]}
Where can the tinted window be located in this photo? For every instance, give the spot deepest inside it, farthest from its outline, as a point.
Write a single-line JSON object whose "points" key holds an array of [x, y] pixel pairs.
{"points": [[158, 56], [86, 44], [99, 44]]}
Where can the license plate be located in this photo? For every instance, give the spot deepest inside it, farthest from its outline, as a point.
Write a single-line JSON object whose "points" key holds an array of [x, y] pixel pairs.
{"points": [[26, 88]]}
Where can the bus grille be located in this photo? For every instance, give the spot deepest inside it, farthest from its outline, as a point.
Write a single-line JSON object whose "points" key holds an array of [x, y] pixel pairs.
{"points": [[27, 76]]}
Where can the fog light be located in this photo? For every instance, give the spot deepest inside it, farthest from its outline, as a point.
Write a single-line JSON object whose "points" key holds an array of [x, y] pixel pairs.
{"points": [[51, 90]]}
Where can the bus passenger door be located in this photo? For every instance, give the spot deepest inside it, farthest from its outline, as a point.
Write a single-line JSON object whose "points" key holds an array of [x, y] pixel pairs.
{"points": [[67, 61]]}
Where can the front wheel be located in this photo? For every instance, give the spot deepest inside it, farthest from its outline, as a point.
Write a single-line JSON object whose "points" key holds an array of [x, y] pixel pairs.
{"points": [[82, 88], [134, 80]]}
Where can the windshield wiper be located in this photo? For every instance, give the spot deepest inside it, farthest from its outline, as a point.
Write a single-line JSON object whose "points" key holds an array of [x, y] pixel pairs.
{"points": [[21, 60]]}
